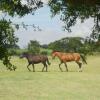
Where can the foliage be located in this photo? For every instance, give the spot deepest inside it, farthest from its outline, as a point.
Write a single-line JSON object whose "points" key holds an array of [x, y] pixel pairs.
{"points": [[71, 10], [6, 38], [45, 46], [95, 45], [47, 51], [74, 44], [16, 52], [16, 7], [44, 53], [66, 44], [34, 47]]}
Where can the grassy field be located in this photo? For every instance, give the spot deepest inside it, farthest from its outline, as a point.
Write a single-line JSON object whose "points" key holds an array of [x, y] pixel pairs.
{"points": [[51, 85]]}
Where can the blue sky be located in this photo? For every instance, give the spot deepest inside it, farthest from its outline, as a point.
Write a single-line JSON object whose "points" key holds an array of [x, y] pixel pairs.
{"points": [[51, 28]]}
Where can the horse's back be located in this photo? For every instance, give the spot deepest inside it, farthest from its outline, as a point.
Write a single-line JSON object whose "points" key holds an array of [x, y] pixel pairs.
{"points": [[76, 56], [42, 58], [71, 57], [34, 59]]}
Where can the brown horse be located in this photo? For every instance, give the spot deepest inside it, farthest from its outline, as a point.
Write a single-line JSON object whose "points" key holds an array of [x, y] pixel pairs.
{"points": [[35, 59], [68, 57]]}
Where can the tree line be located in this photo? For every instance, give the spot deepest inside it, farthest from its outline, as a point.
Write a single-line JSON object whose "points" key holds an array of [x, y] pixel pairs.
{"points": [[68, 44]]}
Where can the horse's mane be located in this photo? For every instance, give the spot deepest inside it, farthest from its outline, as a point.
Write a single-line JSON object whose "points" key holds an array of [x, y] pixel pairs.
{"points": [[27, 53], [55, 51]]}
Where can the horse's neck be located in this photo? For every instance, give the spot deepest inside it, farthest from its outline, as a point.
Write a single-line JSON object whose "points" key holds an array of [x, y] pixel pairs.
{"points": [[28, 58], [59, 56]]}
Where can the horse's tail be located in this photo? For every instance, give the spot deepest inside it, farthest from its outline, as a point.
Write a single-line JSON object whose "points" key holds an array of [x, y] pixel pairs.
{"points": [[83, 58], [48, 61]]}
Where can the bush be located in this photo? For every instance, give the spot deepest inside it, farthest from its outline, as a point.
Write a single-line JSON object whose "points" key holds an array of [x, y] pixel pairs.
{"points": [[16, 52], [44, 53], [34, 47]]}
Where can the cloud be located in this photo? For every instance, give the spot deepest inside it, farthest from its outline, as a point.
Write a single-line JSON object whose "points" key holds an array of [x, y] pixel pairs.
{"points": [[23, 2], [50, 34], [51, 28], [45, 1]]}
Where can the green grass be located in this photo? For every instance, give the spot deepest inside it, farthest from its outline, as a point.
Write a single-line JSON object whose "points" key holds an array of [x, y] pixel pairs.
{"points": [[51, 85]]}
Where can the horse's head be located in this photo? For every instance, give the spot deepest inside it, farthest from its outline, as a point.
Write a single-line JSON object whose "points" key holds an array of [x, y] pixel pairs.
{"points": [[23, 55], [54, 53]]}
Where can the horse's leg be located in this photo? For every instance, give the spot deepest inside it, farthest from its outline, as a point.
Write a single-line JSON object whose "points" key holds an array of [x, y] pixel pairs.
{"points": [[33, 68], [43, 67], [46, 67], [28, 67], [59, 66], [80, 66], [66, 67]]}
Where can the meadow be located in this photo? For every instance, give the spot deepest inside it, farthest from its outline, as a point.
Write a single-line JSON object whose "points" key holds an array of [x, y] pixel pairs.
{"points": [[52, 85]]}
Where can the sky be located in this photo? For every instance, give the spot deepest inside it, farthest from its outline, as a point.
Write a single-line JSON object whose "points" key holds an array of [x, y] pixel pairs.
{"points": [[51, 27]]}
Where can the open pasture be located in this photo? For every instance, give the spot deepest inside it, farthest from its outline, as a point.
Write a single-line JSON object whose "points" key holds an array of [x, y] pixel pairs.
{"points": [[51, 85]]}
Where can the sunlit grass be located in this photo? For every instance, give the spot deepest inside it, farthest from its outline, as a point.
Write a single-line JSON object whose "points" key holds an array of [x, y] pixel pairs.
{"points": [[51, 85]]}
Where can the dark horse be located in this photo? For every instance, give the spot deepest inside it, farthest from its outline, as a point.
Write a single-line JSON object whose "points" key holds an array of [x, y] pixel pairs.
{"points": [[68, 57], [35, 59]]}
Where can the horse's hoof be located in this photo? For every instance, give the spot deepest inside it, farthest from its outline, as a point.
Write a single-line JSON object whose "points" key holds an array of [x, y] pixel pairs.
{"points": [[80, 70]]}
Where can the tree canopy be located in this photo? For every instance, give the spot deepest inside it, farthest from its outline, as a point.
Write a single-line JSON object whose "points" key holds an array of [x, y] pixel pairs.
{"points": [[75, 44], [7, 37], [34, 47], [71, 10], [16, 7]]}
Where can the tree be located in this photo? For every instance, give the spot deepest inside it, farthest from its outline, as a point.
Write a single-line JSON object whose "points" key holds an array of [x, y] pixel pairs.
{"points": [[7, 37], [71, 10], [69, 44], [34, 47], [73, 44], [16, 7]]}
